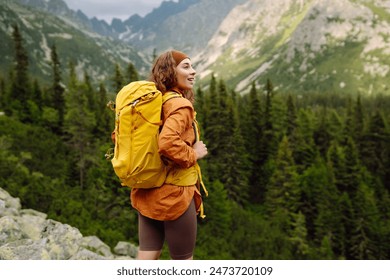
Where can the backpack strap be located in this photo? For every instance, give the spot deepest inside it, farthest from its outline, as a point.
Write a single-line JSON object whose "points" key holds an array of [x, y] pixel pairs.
{"points": [[169, 95]]}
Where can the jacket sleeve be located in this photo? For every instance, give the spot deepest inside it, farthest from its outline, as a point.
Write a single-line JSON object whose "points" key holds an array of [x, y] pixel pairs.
{"points": [[174, 141]]}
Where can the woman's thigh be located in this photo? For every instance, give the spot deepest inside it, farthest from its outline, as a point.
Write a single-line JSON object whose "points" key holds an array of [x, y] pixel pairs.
{"points": [[181, 234]]}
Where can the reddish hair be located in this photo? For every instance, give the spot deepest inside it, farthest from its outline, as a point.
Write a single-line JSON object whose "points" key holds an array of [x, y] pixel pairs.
{"points": [[163, 74]]}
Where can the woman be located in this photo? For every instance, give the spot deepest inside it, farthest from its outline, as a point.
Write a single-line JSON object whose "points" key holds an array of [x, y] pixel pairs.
{"points": [[169, 212]]}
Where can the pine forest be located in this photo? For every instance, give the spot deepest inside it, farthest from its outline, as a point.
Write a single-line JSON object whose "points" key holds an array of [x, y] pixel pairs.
{"points": [[290, 175]]}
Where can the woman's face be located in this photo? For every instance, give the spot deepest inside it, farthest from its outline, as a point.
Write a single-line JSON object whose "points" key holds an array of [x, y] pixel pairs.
{"points": [[185, 75]]}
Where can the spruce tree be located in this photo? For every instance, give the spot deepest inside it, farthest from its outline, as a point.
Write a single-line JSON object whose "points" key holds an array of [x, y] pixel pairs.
{"points": [[291, 118], [20, 92], [298, 237], [235, 166], [252, 131], [3, 94], [358, 123], [213, 131], [321, 135], [366, 225], [79, 125], [336, 163], [353, 169], [302, 142], [268, 145], [131, 73], [200, 106], [214, 232], [374, 152], [57, 98], [118, 80], [283, 191], [104, 116], [37, 95], [347, 218]]}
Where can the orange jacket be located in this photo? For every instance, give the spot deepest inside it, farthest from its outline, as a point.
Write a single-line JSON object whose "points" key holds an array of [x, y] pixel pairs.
{"points": [[176, 139]]}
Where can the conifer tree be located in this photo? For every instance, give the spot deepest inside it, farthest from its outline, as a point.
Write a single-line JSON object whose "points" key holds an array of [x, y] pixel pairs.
{"points": [[358, 123], [35, 107], [20, 92], [366, 225], [200, 106], [222, 127], [131, 73], [291, 121], [298, 237], [375, 154], [302, 142], [215, 230], [324, 209], [321, 135], [213, 131], [319, 198], [336, 163], [252, 131], [3, 96], [79, 124], [353, 170], [118, 80], [268, 145], [234, 173], [335, 126], [283, 191], [57, 98], [325, 251], [104, 116], [37, 95], [347, 218], [90, 93]]}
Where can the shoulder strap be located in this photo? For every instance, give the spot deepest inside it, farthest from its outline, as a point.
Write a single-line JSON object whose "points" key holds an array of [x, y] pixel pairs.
{"points": [[169, 95]]}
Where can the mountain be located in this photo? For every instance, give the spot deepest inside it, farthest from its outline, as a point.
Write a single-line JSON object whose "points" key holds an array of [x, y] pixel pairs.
{"points": [[188, 26], [91, 52], [312, 45]]}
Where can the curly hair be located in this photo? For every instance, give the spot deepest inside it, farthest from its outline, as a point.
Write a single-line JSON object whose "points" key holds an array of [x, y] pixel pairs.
{"points": [[163, 74]]}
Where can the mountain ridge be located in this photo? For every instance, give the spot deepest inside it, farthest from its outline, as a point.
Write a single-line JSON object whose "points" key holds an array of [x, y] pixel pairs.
{"points": [[92, 53], [314, 45]]}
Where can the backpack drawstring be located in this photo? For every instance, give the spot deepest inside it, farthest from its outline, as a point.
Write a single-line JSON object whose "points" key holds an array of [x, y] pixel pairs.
{"points": [[200, 181]]}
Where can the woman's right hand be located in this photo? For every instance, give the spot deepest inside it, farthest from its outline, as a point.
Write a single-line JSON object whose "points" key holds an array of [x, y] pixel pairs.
{"points": [[200, 149]]}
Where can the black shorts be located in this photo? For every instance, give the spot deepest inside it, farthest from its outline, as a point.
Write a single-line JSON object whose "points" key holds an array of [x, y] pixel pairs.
{"points": [[180, 234]]}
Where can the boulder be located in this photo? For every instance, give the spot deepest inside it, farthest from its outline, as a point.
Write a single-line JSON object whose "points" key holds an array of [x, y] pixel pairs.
{"points": [[26, 234]]}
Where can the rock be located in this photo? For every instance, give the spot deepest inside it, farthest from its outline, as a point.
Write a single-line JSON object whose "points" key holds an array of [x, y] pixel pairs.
{"points": [[63, 241], [9, 206], [126, 249], [26, 234], [84, 254], [94, 244], [32, 223], [25, 249], [10, 230]]}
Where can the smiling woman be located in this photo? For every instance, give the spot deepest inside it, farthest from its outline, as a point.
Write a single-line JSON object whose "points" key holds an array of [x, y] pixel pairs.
{"points": [[107, 10], [169, 212]]}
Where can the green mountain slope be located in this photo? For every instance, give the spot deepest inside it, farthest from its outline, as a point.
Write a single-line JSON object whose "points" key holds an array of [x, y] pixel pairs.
{"points": [[317, 45], [95, 54]]}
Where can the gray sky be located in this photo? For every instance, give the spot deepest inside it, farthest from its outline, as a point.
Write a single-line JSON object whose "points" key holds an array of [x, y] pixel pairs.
{"points": [[104, 9]]}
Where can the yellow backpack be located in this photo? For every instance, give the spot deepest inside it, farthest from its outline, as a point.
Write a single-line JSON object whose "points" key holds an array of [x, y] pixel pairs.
{"points": [[136, 160]]}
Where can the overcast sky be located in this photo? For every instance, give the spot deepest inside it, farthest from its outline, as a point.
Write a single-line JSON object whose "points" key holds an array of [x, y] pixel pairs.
{"points": [[108, 9]]}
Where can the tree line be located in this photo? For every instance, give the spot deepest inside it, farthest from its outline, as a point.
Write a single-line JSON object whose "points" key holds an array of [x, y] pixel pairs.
{"points": [[289, 175]]}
